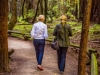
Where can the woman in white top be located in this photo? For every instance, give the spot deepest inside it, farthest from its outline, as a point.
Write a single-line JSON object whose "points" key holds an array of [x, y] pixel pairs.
{"points": [[39, 33]]}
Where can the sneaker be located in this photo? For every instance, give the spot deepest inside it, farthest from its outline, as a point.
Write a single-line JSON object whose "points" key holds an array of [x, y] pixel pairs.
{"points": [[40, 68], [61, 72]]}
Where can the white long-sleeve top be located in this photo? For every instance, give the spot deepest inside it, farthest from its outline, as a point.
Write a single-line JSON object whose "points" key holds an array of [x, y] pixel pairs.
{"points": [[39, 31]]}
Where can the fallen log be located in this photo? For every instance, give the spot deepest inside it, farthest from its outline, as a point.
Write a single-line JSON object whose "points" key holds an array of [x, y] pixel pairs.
{"points": [[25, 35], [75, 45]]}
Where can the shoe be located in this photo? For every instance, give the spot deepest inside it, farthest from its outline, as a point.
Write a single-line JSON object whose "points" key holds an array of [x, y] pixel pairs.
{"points": [[61, 72], [40, 68]]}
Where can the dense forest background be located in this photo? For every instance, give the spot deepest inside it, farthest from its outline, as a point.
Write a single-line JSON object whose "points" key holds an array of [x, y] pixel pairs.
{"points": [[29, 9], [23, 13]]}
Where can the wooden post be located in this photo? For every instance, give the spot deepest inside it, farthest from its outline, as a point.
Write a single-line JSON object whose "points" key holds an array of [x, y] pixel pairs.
{"points": [[94, 67]]}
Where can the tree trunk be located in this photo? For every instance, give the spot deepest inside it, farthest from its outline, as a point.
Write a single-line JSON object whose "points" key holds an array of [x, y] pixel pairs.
{"points": [[14, 16], [4, 64], [36, 11], [98, 12], [41, 6], [81, 8], [84, 38], [94, 10], [26, 8], [45, 4], [23, 8], [78, 9]]}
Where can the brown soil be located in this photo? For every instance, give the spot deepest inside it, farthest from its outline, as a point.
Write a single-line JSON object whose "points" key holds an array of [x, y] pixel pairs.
{"points": [[24, 61]]}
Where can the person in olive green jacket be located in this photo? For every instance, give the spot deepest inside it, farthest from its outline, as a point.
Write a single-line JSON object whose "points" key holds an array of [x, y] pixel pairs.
{"points": [[62, 32]]}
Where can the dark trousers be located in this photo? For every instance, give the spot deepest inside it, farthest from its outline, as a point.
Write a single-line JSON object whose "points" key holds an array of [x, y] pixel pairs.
{"points": [[39, 45], [62, 57]]}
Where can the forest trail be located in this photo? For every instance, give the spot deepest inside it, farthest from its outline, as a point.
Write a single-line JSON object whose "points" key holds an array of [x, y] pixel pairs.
{"points": [[24, 60]]}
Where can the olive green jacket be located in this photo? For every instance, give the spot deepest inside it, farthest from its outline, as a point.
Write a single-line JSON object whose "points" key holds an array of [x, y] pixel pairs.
{"points": [[62, 33]]}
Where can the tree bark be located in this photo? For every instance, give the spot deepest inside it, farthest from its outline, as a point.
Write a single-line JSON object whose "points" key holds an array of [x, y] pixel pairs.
{"points": [[84, 38], [23, 8], [41, 6], [4, 64], [45, 4], [36, 11], [98, 12], [14, 15], [94, 10], [81, 8]]}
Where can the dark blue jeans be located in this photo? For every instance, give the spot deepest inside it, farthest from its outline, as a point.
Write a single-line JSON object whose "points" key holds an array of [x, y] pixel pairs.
{"points": [[39, 45], [62, 57]]}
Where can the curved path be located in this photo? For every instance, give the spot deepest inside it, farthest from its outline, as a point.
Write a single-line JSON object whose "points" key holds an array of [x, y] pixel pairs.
{"points": [[24, 61]]}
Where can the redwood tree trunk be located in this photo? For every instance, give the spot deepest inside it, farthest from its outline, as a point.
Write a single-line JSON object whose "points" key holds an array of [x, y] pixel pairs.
{"points": [[84, 38], [94, 10], [81, 9], [23, 8], [98, 12], [41, 6], [36, 11], [45, 4], [4, 65], [14, 15]]}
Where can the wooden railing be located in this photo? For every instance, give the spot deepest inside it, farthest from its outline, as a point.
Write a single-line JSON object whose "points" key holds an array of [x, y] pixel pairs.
{"points": [[94, 64]]}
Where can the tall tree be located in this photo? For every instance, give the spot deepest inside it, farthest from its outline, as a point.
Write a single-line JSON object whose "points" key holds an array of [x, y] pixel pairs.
{"points": [[84, 38], [94, 10], [98, 12], [45, 11], [23, 8], [14, 15], [77, 8], [36, 11], [4, 65], [81, 8], [41, 6]]}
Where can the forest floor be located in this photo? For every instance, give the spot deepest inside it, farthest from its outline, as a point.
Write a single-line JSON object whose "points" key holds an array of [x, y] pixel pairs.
{"points": [[24, 61]]}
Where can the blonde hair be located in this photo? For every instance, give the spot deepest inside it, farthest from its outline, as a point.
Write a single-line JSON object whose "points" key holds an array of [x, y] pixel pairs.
{"points": [[64, 17], [41, 18]]}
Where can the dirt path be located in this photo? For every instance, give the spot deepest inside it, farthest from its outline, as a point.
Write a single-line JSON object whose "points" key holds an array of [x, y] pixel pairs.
{"points": [[24, 61]]}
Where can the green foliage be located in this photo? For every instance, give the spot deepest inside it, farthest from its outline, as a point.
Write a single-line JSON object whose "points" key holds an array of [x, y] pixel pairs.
{"points": [[23, 28], [30, 13], [76, 29], [9, 16], [22, 21], [26, 18], [76, 26], [70, 16], [94, 31]]}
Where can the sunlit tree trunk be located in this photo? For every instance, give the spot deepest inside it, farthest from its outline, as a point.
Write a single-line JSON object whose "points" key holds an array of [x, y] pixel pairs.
{"points": [[14, 15], [4, 64], [84, 38]]}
